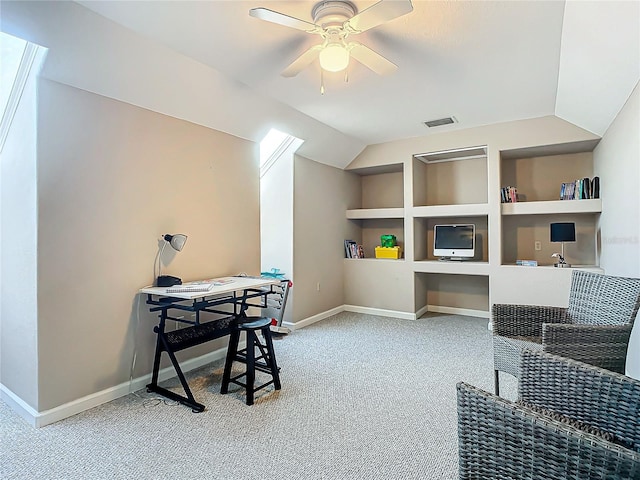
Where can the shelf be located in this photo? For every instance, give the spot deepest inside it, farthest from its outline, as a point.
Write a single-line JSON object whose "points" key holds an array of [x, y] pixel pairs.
{"points": [[375, 260], [550, 150], [369, 213], [589, 268], [453, 155], [452, 267], [552, 207], [463, 210]]}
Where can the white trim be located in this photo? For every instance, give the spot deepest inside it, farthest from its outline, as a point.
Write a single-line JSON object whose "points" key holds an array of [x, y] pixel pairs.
{"points": [[289, 143], [457, 311], [422, 311], [381, 312], [18, 405], [314, 318], [24, 70], [47, 417]]}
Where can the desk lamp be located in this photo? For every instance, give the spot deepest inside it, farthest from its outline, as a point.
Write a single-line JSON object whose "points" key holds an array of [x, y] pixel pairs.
{"points": [[562, 232], [177, 243]]}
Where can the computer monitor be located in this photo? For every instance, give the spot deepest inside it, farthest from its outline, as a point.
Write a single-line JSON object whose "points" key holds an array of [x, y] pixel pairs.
{"points": [[455, 241]]}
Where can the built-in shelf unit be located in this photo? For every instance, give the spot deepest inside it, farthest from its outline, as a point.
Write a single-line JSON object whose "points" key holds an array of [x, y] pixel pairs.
{"points": [[461, 184], [538, 173], [382, 206]]}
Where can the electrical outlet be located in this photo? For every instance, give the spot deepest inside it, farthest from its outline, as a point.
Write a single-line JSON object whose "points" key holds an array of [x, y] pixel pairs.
{"points": [[538, 246]]}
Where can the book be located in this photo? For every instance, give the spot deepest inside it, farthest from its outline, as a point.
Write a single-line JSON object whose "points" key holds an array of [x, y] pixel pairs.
{"points": [[197, 287], [350, 249], [509, 194], [527, 263]]}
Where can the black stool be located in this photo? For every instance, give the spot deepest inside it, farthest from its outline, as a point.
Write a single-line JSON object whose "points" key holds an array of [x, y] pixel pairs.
{"points": [[265, 362]]}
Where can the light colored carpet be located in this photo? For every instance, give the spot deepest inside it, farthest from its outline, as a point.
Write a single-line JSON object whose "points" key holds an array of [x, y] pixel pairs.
{"points": [[363, 397]]}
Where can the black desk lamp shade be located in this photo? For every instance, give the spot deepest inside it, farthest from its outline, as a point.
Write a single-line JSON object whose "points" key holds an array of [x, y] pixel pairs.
{"points": [[563, 232]]}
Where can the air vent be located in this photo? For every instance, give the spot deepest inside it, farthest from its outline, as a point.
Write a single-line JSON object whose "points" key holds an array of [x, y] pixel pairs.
{"points": [[441, 121]]}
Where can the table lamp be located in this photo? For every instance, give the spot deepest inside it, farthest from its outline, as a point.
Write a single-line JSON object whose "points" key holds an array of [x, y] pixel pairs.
{"points": [[562, 232], [177, 242]]}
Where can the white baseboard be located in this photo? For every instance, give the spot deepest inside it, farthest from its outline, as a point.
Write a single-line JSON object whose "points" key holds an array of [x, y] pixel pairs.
{"points": [[457, 311], [314, 318], [422, 311], [47, 417], [18, 405], [380, 312]]}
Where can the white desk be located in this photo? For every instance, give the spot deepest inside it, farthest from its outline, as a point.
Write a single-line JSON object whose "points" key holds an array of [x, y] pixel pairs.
{"points": [[237, 284], [236, 293]]}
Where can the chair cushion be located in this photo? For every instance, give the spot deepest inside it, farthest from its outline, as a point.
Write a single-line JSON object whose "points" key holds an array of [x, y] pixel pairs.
{"points": [[577, 424]]}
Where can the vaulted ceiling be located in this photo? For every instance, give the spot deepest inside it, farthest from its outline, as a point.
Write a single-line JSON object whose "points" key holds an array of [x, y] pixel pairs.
{"points": [[482, 62]]}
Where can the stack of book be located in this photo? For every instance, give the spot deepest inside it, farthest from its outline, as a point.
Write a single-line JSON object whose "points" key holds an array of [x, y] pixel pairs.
{"points": [[508, 195], [353, 250], [580, 189]]}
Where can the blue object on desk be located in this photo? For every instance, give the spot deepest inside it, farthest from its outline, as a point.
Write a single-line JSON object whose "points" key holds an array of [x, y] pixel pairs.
{"points": [[274, 273]]}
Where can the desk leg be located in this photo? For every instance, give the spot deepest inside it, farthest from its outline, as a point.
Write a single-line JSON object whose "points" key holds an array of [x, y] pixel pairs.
{"points": [[162, 344], [189, 400]]}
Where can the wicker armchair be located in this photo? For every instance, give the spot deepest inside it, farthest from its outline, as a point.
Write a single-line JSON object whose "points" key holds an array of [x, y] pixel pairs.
{"points": [[571, 421], [594, 329]]}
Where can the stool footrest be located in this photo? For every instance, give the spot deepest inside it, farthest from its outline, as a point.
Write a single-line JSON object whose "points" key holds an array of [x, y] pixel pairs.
{"points": [[244, 385]]}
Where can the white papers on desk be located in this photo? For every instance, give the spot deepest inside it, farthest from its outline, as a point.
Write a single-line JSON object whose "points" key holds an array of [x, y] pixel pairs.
{"points": [[188, 288]]}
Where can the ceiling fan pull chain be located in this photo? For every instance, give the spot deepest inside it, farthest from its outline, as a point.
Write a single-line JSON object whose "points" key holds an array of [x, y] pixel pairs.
{"points": [[321, 83], [346, 76]]}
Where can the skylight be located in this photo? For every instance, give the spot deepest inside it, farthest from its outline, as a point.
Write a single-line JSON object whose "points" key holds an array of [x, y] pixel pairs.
{"points": [[273, 146], [270, 143], [16, 58], [11, 52]]}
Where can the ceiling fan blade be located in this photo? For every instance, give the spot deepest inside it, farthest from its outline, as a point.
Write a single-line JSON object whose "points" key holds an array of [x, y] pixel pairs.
{"points": [[282, 19], [379, 13], [370, 59], [302, 61]]}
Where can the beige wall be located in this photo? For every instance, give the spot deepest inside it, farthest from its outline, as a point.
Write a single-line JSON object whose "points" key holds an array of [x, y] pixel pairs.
{"points": [[510, 135], [617, 162], [322, 194], [113, 178], [382, 191]]}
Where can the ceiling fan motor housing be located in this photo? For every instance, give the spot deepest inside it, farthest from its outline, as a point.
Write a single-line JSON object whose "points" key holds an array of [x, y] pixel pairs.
{"points": [[332, 14]]}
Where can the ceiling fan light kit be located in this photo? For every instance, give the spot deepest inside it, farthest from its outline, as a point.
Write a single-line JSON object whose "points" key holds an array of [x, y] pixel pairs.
{"points": [[334, 21], [334, 57]]}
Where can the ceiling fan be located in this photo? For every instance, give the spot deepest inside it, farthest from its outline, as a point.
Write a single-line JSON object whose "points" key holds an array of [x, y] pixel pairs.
{"points": [[335, 21]]}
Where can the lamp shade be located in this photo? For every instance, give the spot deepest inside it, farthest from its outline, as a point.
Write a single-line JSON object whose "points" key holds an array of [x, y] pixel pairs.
{"points": [[176, 241], [563, 232]]}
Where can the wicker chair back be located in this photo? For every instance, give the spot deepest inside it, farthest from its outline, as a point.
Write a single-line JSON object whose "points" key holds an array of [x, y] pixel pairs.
{"points": [[597, 299]]}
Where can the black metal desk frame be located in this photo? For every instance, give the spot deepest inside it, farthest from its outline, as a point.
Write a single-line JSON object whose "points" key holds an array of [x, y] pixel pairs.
{"points": [[196, 334]]}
